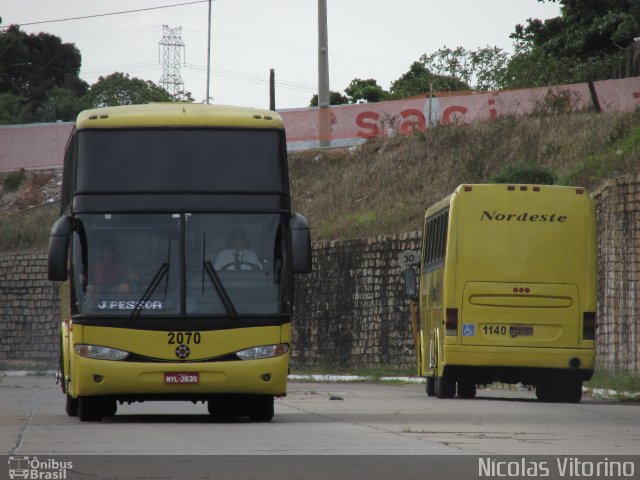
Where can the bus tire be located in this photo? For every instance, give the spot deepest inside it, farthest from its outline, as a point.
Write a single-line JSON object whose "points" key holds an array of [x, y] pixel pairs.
{"points": [[261, 408], [89, 409], [549, 391], [109, 407], [222, 406], [71, 406], [63, 383], [466, 389], [431, 387], [572, 391], [445, 387]]}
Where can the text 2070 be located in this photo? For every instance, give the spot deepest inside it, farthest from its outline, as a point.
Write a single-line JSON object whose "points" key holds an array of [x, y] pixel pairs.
{"points": [[184, 338]]}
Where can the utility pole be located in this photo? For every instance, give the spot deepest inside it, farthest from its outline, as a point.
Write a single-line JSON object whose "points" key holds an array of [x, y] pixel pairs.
{"points": [[272, 90], [324, 114], [208, 53]]}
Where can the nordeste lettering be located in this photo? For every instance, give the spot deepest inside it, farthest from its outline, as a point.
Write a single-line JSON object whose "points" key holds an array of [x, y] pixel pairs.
{"points": [[496, 216]]}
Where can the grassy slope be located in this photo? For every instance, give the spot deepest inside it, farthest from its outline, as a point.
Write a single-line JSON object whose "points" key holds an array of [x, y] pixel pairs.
{"points": [[385, 187]]}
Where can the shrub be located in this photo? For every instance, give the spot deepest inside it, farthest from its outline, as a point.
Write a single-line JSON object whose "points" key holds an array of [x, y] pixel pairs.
{"points": [[14, 180], [525, 173]]}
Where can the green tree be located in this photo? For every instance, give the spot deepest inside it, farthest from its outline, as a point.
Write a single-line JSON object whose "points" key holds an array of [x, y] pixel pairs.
{"points": [[365, 91], [585, 29], [481, 69], [31, 65], [35, 70], [586, 39], [418, 79], [61, 104], [335, 98], [14, 109], [120, 89]]}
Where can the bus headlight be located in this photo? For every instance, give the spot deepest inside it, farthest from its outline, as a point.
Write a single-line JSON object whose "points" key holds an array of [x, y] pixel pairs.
{"points": [[265, 351], [100, 353]]}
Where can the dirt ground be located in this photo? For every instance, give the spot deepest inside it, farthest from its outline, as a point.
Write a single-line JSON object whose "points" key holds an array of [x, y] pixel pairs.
{"points": [[39, 187]]}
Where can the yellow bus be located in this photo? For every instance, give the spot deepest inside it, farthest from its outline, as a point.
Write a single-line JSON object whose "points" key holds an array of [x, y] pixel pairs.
{"points": [[507, 290], [176, 248]]}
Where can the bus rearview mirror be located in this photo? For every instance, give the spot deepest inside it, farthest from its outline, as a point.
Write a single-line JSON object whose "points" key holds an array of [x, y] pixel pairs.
{"points": [[300, 243], [59, 248]]}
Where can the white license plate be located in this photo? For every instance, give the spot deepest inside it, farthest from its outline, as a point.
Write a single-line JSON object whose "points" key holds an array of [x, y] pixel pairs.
{"points": [[180, 378]]}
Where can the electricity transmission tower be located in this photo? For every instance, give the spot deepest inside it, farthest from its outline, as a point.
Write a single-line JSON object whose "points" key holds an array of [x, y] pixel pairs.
{"points": [[172, 46]]}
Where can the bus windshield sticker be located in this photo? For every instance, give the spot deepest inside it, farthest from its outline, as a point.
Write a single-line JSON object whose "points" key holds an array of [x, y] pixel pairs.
{"points": [[119, 304]]}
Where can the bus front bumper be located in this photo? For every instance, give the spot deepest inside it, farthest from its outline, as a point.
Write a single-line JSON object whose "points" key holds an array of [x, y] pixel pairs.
{"points": [[123, 379]]}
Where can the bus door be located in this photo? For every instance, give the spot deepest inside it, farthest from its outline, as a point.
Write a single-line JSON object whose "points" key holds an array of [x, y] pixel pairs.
{"points": [[520, 314]]}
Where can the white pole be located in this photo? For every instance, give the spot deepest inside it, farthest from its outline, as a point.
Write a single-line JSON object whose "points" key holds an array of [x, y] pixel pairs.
{"points": [[323, 76], [208, 54]]}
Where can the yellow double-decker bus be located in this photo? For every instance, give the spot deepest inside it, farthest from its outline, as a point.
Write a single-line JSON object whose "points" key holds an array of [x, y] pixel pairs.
{"points": [[507, 290], [176, 248]]}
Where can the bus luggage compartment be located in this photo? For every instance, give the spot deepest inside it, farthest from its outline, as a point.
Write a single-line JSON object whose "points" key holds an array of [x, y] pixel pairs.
{"points": [[520, 315]]}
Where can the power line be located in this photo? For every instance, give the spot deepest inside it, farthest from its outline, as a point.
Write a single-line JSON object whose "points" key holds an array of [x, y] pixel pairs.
{"points": [[311, 51], [107, 14], [247, 77]]}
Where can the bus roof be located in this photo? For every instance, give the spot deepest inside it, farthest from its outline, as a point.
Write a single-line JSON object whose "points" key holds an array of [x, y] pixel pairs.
{"points": [[488, 187], [178, 115]]}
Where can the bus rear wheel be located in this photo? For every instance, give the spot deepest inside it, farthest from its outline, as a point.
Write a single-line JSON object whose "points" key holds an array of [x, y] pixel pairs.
{"points": [[572, 391], [549, 391], [431, 386], [466, 389], [109, 407], [445, 387]]}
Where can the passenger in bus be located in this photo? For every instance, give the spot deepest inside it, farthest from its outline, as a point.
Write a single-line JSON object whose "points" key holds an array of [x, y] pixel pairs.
{"points": [[109, 275], [238, 256]]}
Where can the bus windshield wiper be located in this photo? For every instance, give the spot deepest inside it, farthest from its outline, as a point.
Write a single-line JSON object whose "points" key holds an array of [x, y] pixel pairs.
{"points": [[220, 290], [157, 278]]}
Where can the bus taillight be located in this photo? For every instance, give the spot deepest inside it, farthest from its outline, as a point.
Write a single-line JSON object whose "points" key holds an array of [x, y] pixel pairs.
{"points": [[451, 321], [589, 326]]}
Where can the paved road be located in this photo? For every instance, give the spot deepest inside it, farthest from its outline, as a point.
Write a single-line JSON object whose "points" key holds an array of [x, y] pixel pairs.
{"points": [[320, 418]]}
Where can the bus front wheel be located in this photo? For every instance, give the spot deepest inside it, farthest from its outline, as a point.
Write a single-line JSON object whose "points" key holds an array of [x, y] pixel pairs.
{"points": [[261, 408], [89, 409], [71, 406]]}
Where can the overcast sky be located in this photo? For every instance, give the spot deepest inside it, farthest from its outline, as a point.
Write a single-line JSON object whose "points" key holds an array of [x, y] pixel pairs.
{"points": [[367, 39]]}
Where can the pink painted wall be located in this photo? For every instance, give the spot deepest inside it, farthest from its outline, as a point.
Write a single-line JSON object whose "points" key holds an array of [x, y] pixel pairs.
{"points": [[33, 147], [42, 145], [352, 124]]}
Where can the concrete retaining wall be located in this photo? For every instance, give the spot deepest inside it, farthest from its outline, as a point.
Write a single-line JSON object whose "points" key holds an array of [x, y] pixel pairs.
{"points": [[350, 312]]}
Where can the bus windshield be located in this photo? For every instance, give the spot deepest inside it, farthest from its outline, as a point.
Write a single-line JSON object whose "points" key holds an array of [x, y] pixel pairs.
{"points": [[168, 264]]}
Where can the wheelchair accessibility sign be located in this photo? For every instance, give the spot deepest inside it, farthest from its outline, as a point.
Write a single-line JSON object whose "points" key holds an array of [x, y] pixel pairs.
{"points": [[468, 329]]}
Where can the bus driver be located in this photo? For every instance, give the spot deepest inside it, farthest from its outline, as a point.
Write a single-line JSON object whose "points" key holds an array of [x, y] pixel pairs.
{"points": [[238, 256], [109, 275]]}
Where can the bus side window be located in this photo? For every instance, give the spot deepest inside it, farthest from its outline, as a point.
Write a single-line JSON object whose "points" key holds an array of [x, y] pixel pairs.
{"points": [[438, 256], [435, 239]]}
